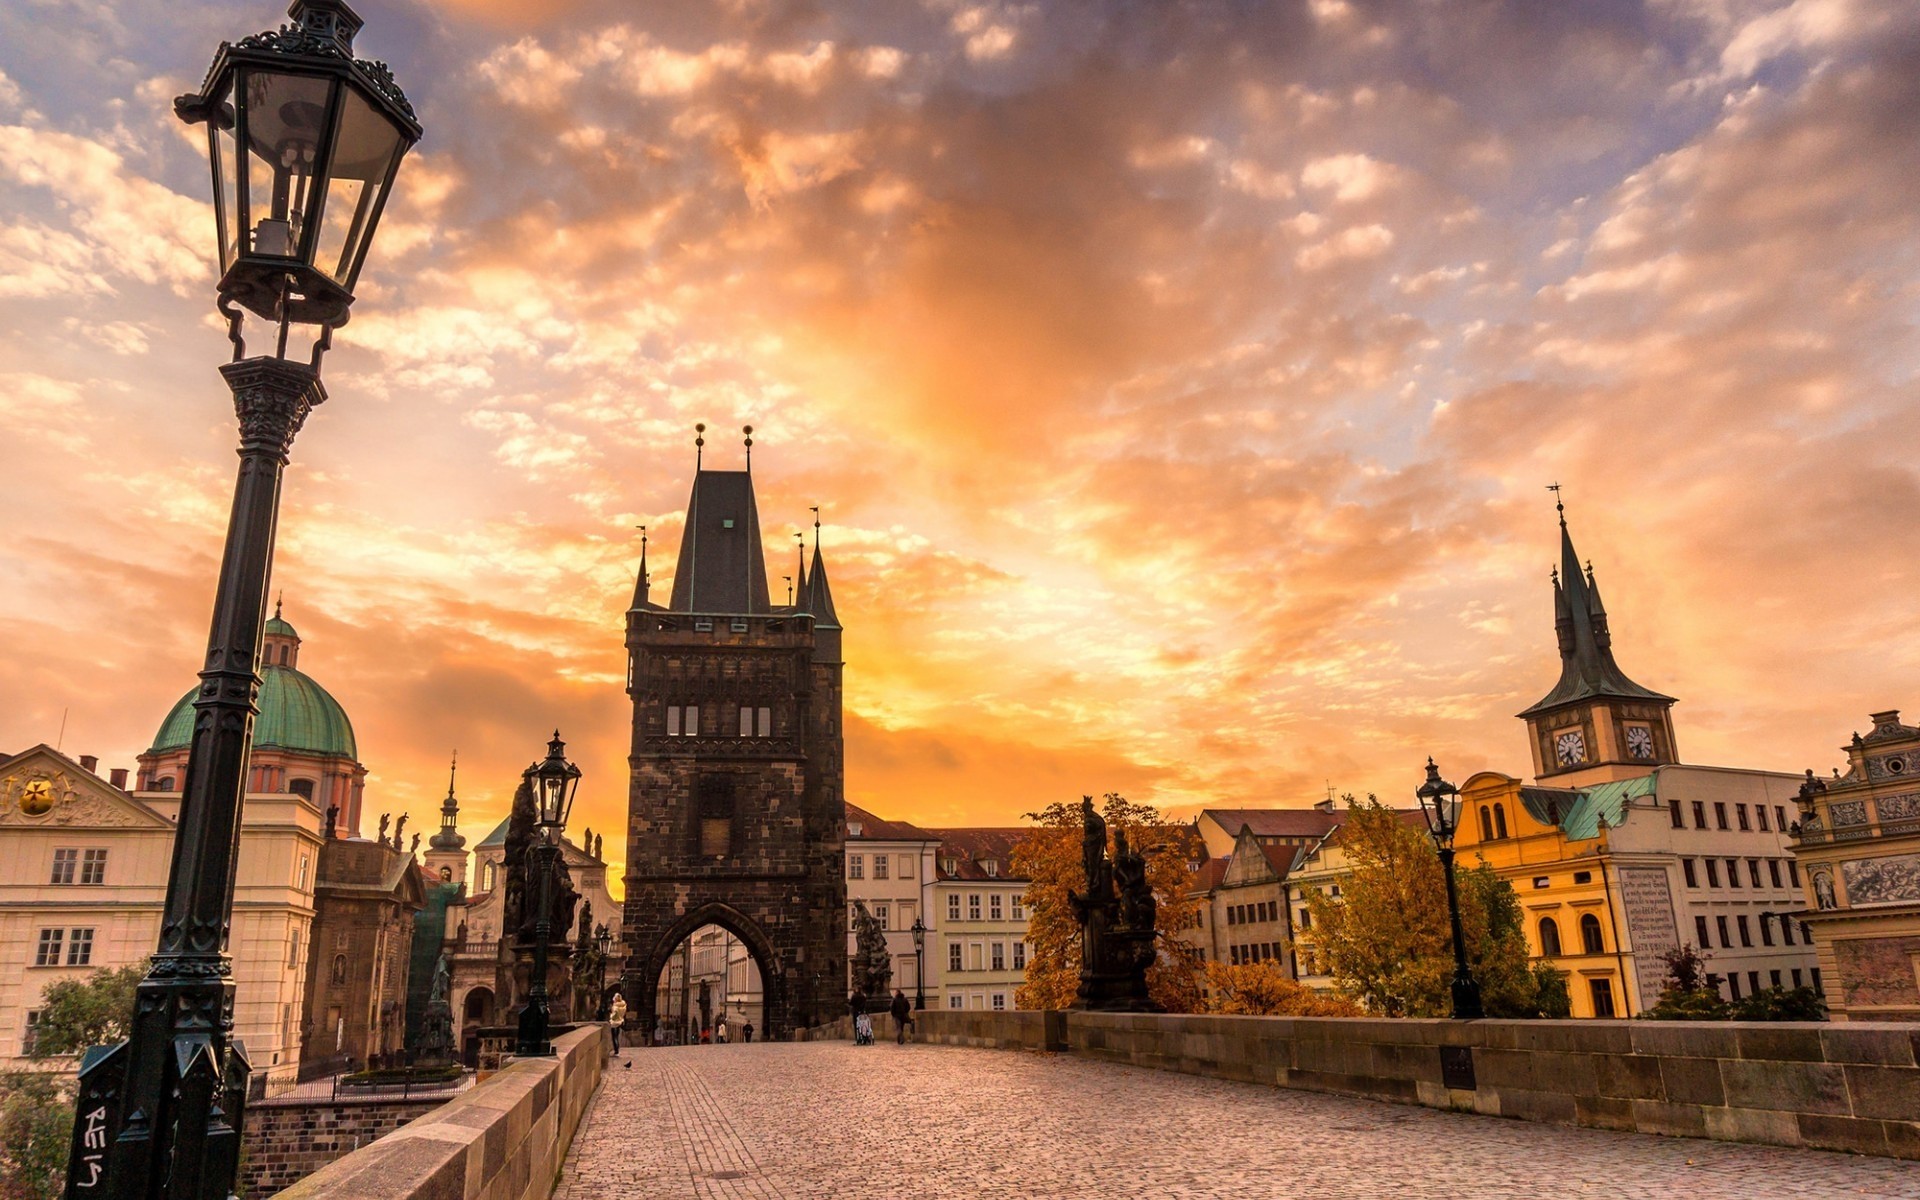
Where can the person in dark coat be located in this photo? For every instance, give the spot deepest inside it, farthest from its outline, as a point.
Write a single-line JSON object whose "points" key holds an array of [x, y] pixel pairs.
{"points": [[902, 1017]]}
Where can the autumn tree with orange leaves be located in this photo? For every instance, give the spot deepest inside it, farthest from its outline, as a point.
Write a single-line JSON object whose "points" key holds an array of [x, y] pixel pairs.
{"points": [[1265, 989], [1049, 855]]}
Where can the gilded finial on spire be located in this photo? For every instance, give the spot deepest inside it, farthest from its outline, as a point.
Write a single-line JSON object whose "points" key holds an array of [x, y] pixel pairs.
{"points": [[452, 769], [277, 602], [1559, 505], [699, 443], [748, 431]]}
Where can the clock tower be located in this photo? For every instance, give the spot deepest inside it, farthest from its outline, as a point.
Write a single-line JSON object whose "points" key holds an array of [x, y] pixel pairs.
{"points": [[1596, 724]]}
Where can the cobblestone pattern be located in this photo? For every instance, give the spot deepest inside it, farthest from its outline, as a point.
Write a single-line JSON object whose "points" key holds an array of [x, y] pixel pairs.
{"points": [[814, 1120]]}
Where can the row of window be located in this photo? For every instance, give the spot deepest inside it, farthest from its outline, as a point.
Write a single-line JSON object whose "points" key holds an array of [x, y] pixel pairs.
{"points": [[991, 956], [883, 867], [683, 720], [72, 865], [1733, 872], [1774, 979], [1745, 930], [998, 1001], [1252, 953], [994, 907], [1591, 942], [1247, 914], [78, 945], [883, 913], [1747, 817]]}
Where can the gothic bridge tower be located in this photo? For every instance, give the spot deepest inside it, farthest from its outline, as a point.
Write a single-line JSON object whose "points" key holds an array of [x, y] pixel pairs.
{"points": [[736, 813]]}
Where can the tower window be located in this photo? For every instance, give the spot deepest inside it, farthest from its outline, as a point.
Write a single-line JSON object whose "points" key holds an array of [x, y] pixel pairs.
{"points": [[1499, 820], [713, 798], [302, 788], [746, 721], [764, 719], [683, 721]]}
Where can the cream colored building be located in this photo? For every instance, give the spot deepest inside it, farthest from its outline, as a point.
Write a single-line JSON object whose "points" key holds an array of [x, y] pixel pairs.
{"points": [[978, 950], [890, 869], [83, 874]]}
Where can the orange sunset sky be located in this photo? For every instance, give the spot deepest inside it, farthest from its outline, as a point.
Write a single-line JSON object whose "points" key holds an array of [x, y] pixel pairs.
{"points": [[1179, 381]]}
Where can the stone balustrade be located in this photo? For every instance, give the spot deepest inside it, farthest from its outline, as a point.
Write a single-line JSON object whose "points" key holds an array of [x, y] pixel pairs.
{"points": [[1843, 1086], [503, 1139]]}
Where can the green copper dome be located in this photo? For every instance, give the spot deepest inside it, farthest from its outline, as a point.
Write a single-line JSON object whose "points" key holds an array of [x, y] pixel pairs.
{"points": [[276, 626], [295, 714]]}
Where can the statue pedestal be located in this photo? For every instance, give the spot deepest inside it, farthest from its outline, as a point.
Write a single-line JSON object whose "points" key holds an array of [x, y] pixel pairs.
{"points": [[1120, 983]]}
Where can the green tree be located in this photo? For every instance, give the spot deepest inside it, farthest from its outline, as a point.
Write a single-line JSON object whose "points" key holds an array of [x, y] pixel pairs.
{"points": [[36, 1122], [1781, 1004], [1553, 1000], [95, 1011], [1686, 995], [1049, 856], [1388, 941]]}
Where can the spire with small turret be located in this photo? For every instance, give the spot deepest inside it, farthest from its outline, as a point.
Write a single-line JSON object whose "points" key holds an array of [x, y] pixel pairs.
{"points": [[446, 854], [1595, 716]]}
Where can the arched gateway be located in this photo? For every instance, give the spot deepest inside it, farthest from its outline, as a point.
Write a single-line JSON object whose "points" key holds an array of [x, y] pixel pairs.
{"points": [[736, 813]]}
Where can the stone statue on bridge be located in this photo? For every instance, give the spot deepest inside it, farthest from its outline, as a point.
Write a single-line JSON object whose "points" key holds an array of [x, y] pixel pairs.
{"points": [[872, 962], [1116, 916]]}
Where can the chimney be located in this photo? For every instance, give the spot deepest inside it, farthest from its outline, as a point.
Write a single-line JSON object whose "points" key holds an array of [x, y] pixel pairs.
{"points": [[1325, 806], [119, 779], [90, 763]]}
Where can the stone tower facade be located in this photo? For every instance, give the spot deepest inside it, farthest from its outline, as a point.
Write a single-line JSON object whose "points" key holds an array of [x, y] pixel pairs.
{"points": [[736, 813]]}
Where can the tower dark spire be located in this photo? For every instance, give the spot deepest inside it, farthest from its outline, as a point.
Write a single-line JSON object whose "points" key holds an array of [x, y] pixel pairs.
{"points": [[1587, 669], [722, 567], [449, 836], [820, 595]]}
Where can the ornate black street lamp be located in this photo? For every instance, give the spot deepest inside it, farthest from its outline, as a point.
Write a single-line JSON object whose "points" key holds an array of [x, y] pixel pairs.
{"points": [[919, 963], [304, 141], [1440, 803], [555, 781]]}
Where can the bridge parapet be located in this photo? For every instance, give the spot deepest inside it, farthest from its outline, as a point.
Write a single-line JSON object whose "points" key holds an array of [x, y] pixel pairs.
{"points": [[1843, 1086], [503, 1139]]}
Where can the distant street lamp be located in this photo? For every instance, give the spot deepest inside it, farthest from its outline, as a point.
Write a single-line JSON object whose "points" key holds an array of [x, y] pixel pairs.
{"points": [[555, 782], [304, 142], [1440, 803], [919, 963]]}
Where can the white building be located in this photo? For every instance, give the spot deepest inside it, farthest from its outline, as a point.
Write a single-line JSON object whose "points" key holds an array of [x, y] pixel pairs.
{"points": [[980, 918], [83, 877], [890, 869]]}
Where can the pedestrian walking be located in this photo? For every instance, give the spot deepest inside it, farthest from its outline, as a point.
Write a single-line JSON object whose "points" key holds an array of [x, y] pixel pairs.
{"points": [[746, 1032], [720, 1032], [902, 1017], [616, 1016]]}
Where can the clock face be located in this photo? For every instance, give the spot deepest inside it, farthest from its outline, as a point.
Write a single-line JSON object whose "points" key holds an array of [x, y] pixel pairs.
{"points": [[1570, 747], [1639, 741], [36, 798]]}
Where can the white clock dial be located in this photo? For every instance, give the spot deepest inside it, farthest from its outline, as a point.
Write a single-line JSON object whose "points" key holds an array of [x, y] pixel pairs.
{"points": [[1570, 747], [1639, 741]]}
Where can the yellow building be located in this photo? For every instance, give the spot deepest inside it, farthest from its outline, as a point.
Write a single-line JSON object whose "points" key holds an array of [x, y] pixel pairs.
{"points": [[1859, 854]]}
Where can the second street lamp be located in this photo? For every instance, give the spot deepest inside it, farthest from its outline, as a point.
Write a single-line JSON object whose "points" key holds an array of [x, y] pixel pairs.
{"points": [[304, 141], [1440, 803], [919, 963], [555, 782]]}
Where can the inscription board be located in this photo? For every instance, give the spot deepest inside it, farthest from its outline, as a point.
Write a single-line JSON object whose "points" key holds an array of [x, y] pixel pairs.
{"points": [[1648, 900], [1456, 1067]]}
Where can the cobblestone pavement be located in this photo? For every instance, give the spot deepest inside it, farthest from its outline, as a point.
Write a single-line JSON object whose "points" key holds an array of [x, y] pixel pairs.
{"points": [[829, 1119]]}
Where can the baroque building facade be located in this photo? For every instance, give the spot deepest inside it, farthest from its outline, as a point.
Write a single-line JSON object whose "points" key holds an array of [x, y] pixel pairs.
{"points": [[1858, 846], [736, 811]]}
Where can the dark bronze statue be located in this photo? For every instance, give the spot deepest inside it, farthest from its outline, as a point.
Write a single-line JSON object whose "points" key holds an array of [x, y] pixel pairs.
{"points": [[1116, 916], [872, 964]]}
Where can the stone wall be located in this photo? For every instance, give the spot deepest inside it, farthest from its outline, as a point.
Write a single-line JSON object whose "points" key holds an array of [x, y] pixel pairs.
{"points": [[500, 1140], [1845, 1086], [289, 1139]]}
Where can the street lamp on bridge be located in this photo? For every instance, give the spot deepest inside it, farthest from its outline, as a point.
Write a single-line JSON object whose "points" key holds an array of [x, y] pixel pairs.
{"points": [[555, 782], [304, 141], [919, 963], [1440, 804]]}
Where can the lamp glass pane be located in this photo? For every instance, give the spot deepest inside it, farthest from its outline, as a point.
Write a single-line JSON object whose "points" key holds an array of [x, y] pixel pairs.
{"points": [[226, 182], [286, 117], [363, 152]]}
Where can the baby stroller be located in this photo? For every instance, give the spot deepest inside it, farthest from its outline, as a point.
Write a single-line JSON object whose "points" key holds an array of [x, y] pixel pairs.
{"points": [[863, 1029]]}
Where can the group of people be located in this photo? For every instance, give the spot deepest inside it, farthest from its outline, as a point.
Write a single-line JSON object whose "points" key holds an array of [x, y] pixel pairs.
{"points": [[616, 1016], [901, 1010]]}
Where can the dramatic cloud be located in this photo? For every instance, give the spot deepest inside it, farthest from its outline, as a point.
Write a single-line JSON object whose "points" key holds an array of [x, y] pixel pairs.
{"points": [[1179, 383]]}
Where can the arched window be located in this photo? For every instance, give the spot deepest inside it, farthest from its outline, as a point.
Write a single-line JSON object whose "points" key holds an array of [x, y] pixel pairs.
{"points": [[1499, 820], [1486, 824], [1549, 937], [488, 877], [1590, 934], [446, 874], [339, 968], [302, 787]]}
